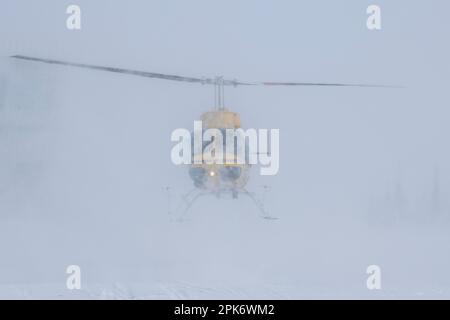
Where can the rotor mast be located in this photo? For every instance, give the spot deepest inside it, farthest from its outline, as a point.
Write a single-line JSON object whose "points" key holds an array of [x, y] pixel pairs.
{"points": [[219, 93]]}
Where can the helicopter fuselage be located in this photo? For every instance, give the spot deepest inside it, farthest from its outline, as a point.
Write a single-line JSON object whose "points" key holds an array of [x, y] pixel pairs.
{"points": [[228, 176]]}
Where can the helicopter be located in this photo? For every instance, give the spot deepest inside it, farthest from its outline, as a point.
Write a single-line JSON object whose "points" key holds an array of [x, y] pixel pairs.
{"points": [[209, 178]]}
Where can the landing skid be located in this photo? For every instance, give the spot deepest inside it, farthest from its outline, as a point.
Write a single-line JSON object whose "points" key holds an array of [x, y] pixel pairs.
{"points": [[259, 204], [190, 198]]}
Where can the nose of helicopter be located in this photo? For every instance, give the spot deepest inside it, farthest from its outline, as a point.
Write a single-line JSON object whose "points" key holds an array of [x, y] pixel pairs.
{"points": [[214, 176]]}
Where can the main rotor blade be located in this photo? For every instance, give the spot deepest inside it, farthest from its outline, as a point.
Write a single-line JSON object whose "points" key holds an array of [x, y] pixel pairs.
{"points": [[311, 84], [214, 81], [117, 70]]}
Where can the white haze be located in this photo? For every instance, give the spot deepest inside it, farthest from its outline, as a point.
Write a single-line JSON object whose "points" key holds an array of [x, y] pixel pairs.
{"points": [[85, 156]]}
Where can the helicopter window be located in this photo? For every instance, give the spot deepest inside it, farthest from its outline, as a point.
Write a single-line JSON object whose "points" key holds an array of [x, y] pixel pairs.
{"points": [[230, 173]]}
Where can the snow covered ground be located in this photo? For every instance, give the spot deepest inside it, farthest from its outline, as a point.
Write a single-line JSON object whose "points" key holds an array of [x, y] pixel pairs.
{"points": [[194, 292], [216, 259]]}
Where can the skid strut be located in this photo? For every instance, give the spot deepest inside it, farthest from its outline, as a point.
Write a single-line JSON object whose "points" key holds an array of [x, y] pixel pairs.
{"points": [[190, 198]]}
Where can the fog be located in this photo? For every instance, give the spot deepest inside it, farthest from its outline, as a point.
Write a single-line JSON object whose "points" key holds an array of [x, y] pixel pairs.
{"points": [[85, 155]]}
